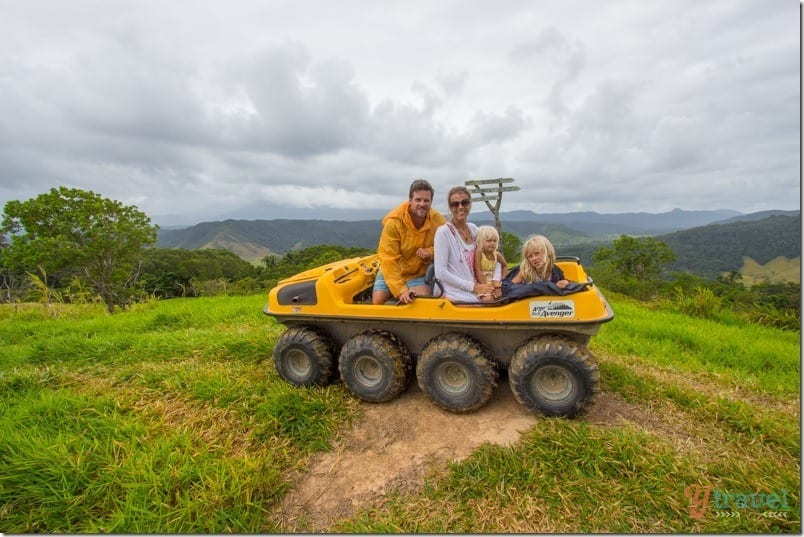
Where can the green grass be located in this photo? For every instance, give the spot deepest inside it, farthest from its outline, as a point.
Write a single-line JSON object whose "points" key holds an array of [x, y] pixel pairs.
{"points": [[721, 410], [166, 419], [754, 357], [171, 419]]}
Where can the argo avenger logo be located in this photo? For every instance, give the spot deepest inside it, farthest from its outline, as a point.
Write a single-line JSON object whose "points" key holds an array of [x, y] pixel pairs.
{"points": [[555, 309]]}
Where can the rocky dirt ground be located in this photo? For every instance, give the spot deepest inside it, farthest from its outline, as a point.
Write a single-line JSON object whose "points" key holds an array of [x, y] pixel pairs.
{"points": [[393, 446]]}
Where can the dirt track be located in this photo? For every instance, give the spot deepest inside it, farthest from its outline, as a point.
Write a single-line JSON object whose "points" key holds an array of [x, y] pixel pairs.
{"points": [[392, 446]]}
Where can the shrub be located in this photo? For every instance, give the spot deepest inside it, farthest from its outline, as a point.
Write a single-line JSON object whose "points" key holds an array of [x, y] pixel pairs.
{"points": [[702, 303]]}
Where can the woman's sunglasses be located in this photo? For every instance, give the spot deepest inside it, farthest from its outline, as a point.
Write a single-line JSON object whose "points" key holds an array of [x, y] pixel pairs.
{"points": [[463, 203]]}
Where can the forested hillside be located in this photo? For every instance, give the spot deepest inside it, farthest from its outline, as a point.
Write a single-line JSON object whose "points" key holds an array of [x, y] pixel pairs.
{"points": [[708, 250], [266, 237], [717, 248]]}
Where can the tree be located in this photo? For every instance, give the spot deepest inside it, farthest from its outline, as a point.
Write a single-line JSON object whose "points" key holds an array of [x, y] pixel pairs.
{"points": [[72, 232], [511, 247], [172, 272], [643, 257], [633, 265]]}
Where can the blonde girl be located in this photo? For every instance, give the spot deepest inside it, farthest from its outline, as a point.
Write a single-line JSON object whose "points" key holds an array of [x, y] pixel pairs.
{"points": [[539, 263], [490, 264]]}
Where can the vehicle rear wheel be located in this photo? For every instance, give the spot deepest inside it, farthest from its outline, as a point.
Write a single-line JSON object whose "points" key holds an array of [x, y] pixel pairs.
{"points": [[305, 356], [375, 365], [457, 373], [554, 376]]}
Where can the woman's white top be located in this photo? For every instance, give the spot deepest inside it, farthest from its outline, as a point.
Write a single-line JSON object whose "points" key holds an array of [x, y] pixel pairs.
{"points": [[454, 262]]}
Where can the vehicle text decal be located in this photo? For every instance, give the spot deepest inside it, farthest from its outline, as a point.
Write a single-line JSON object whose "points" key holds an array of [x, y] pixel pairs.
{"points": [[555, 309]]}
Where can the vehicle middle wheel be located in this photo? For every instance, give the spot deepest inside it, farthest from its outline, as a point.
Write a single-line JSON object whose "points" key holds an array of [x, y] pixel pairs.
{"points": [[375, 365], [456, 372], [304, 356], [554, 376]]}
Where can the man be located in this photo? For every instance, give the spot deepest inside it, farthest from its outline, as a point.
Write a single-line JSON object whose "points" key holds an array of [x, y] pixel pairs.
{"points": [[406, 246]]}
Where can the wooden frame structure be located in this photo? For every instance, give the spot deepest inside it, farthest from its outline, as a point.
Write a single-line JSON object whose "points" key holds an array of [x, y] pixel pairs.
{"points": [[481, 192]]}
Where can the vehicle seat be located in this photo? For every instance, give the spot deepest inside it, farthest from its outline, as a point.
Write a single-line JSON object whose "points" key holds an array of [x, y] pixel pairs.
{"points": [[431, 280]]}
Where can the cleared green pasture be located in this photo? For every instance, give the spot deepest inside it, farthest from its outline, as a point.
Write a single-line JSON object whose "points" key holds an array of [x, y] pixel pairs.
{"points": [[171, 419]]}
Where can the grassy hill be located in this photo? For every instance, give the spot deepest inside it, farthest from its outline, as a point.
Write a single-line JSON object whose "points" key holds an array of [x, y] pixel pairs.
{"points": [[780, 269], [170, 418]]}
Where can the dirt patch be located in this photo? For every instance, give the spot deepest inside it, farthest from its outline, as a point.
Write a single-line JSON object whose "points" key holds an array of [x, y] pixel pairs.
{"points": [[393, 446]]}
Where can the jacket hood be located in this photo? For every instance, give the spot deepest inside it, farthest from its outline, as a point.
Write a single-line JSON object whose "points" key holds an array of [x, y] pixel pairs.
{"points": [[401, 213]]}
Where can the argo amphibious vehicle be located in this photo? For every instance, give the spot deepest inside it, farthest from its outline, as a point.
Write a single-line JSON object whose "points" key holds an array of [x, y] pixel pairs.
{"points": [[455, 350]]}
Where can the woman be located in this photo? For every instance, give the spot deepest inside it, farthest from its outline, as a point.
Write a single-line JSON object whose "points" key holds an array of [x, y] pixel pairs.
{"points": [[454, 251]]}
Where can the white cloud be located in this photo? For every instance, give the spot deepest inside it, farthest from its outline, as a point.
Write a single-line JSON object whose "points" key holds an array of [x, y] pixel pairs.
{"points": [[616, 106]]}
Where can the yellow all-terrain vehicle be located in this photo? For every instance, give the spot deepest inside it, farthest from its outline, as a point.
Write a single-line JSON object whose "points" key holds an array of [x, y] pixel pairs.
{"points": [[456, 350]]}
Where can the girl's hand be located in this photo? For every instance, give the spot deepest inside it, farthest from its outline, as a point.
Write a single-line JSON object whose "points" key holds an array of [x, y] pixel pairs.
{"points": [[483, 289], [562, 284]]}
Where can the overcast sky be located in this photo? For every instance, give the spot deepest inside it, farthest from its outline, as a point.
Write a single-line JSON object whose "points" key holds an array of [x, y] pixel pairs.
{"points": [[195, 108]]}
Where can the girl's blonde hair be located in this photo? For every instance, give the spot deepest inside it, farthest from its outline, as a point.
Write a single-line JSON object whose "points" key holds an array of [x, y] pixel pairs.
{"points": [[486, 232], [537, 243]]}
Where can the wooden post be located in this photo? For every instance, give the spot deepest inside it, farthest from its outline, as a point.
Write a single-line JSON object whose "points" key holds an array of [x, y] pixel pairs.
{"points": [[488, 194]]}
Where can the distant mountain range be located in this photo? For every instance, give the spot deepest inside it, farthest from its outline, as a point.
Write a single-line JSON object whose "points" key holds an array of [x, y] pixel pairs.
{"points": [[641, 223], [707, 242], [279, 235], [659, 222]]}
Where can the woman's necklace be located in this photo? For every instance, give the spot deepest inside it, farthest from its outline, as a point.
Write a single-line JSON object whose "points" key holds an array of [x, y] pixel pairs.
{"points": [[464, 232]]}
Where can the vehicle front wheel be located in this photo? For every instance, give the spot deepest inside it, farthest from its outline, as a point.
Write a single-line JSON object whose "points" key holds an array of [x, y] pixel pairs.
{"points": [[457, 373], [554, 376], [304, 356], [375, 365]]}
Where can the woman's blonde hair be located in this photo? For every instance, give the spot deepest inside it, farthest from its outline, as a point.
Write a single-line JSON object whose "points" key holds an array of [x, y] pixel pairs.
{"points": [[486, 232], [537, 243]]}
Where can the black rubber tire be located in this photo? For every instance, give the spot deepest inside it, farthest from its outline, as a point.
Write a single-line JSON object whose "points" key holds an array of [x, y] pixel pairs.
{"points": [[554, 376], [457, 372], [305, 356], [375, 365]]}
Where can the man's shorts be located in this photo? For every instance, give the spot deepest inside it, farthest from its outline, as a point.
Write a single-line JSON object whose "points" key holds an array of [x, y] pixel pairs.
{"points": [[380, 285]]}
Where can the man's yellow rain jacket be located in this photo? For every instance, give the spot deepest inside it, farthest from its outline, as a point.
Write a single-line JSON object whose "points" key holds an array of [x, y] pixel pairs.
{"points": [[398, 244]]}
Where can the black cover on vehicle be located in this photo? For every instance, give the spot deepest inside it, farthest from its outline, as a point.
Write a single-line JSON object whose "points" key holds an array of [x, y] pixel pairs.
{"points": [[298, 293], [522, 290]]}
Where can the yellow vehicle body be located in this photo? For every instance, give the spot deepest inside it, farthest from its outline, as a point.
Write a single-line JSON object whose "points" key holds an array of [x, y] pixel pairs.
{"points": [[332, 305], [340, 292]]}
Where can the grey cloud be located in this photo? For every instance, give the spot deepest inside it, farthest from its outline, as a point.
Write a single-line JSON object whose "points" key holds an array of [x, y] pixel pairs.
{"points": [[453, 83], [431, 100], [301, 108], [175, 109], [404, 133], [135, 95], [557, 57], [487, 128], [552, 47]]}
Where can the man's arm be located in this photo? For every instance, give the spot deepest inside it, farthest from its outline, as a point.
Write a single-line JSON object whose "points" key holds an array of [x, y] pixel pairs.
{"points": [[389, 251]]}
